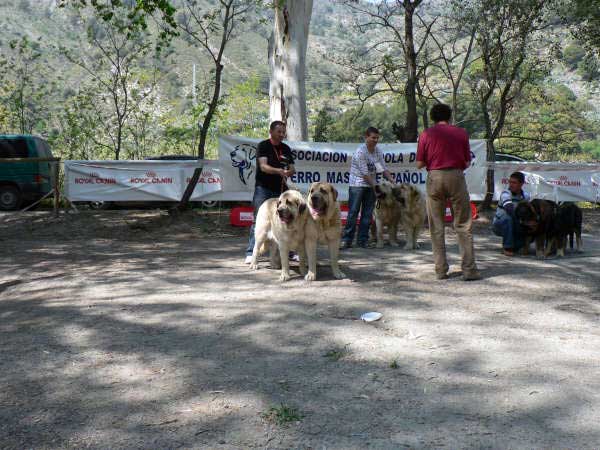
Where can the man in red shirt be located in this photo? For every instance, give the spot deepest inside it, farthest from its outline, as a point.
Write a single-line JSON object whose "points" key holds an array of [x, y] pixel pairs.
{"points": [[444, 151]]}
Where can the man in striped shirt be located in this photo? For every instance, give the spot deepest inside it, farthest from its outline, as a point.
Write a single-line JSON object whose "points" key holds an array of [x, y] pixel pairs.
{"points": [[367, 162], [504, 222]]}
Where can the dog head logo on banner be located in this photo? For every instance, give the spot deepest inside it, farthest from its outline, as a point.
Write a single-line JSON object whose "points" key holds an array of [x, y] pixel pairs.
{"points": [[242, 157]]}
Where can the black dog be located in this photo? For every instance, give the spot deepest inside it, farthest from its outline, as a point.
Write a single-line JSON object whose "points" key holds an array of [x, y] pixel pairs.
{"points": [[567, 223], [536, 221]]}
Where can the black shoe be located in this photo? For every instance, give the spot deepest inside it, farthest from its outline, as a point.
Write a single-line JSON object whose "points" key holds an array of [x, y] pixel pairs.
{"points": [[345, 245]]}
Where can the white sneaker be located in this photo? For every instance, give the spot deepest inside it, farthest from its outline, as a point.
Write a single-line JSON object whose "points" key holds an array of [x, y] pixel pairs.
{"points": [[294, 257], [248, 259]]}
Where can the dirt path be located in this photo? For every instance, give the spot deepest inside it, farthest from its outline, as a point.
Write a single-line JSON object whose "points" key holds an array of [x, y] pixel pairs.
{"points": [[119, 329]]}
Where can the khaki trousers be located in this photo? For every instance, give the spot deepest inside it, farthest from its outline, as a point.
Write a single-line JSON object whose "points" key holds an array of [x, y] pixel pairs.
{"points": [[443, 185]]}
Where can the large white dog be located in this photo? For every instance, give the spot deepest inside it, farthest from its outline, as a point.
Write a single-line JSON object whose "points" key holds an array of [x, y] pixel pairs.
{"points": [[281, 222]]}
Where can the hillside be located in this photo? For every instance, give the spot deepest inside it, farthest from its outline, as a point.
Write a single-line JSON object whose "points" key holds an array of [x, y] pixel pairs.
{"points": [[49, 27]]}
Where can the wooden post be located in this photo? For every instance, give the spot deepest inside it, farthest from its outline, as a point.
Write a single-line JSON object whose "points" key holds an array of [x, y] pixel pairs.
{"points": [[56, 170]]}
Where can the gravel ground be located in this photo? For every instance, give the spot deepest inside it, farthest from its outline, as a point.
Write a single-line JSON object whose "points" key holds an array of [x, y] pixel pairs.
{"points": [[121, 329]]}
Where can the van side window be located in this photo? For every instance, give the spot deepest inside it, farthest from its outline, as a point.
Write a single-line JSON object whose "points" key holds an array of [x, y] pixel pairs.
{"points": [[43, 149], [13, 148]]}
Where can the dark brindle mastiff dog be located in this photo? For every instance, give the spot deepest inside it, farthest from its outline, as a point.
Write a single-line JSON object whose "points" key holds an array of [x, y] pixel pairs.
{"points": [[536, 219], [567, 223]]}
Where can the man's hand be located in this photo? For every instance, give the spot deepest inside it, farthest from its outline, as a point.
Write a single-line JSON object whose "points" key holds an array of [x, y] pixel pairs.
{"points": [[287, 173]]}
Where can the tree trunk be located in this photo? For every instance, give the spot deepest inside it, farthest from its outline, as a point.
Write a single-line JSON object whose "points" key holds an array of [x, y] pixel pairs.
{"points": [[412, 117], [287, 60], [490, 157], [212, 107]]}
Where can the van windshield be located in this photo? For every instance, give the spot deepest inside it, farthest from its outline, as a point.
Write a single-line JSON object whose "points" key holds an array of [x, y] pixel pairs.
{"points": [[13, 148]]}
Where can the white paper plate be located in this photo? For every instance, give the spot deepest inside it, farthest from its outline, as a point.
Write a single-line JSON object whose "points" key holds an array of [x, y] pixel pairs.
{"points": [[371, 316]]}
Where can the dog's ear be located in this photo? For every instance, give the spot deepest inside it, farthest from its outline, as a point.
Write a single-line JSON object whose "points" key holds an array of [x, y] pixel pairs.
{"points": [[335, 193], [414, 194]]}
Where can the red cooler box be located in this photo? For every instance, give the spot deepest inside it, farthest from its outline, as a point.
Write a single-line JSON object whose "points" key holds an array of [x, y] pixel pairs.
{"points": [[241, 216], [449, 218]]}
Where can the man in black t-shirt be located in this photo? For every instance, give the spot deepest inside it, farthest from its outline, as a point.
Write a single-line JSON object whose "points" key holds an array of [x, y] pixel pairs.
{"points": [[274, 164]]}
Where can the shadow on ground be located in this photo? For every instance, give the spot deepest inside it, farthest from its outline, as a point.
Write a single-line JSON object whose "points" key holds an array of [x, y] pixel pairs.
{"points": [[167, 342]]}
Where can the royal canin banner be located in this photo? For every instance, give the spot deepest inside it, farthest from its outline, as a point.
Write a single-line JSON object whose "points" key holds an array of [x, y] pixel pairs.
{"points": [[330, 162], [560, 182], [138, 180], [231, 177]]}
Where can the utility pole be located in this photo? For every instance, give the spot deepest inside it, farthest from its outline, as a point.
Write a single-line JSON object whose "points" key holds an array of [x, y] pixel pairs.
{"points": [[194, 99]]}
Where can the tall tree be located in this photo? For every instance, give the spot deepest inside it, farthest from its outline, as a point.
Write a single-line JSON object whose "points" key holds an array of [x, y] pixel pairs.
{"points": [[393, 63], [211, 30], [287, 61], [507, 60], [112, 59], [583, 17], [23, 85]]}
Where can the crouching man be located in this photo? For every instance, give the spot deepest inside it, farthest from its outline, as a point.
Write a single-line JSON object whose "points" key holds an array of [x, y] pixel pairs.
{"points": [[504, 223]]}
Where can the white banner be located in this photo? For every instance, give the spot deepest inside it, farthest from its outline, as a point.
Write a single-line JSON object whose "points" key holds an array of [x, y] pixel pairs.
{"points": [[138, 180], [231, 177], [560, 182], [317, 161]]}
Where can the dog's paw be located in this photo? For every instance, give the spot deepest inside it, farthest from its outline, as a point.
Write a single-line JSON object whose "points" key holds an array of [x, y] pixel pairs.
{"points": [[254, 266], [310, 276], [338, 274], [284, 276]]}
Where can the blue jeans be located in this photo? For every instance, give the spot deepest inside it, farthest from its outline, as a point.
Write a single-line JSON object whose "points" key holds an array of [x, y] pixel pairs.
{"points": [[360, 198], [506, 228], [261, 194]]}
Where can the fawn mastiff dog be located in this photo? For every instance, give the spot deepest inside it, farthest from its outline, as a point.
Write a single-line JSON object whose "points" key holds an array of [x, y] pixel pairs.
{"points": [[281, 222], [412, 213], [323, 224], [387, 212]]}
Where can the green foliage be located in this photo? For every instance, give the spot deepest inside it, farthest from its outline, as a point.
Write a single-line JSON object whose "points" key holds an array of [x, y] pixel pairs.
{"points": [[23, 85], [584, 19], [135, 18], [322, 123], [350, 126], [76, 129], [591, 148], [589, 67], [572, 55], [282, 415], [335, 354], [547, 124]]}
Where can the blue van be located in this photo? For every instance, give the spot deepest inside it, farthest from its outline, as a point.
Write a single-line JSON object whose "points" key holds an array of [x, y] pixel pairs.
{"points": [[22, 183]]}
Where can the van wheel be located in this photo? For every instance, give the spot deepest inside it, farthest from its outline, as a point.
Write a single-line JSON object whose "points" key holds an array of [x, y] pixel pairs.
{"points": [[10, 198], [100, 205]]}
